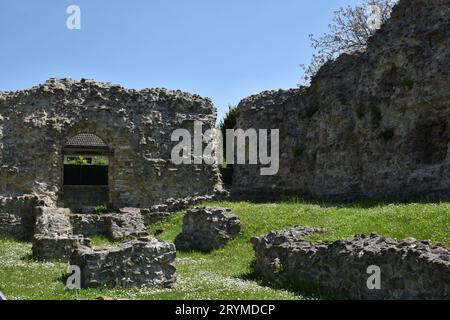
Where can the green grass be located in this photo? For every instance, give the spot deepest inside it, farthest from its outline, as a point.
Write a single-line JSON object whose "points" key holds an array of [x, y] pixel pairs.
{"points": [[225, 274]]}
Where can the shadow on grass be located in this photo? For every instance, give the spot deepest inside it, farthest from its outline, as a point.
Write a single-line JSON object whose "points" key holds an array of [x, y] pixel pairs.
{"points": [[307, 290], [62, 278], [356, 202], [28, 258]]}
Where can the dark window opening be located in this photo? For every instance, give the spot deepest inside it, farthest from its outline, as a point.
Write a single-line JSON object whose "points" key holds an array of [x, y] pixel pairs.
{"points": [[82, 175], [86, 161]]}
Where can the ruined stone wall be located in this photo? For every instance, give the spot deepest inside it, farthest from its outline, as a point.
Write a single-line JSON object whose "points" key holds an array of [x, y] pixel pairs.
{"points": [[136, 125], [372, 124], [409, 269], [18, 217]]}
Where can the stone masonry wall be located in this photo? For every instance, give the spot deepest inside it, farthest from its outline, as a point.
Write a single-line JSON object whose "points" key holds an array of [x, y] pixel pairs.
{"points": [[409, 269], [136, 125], [138, 263], [18, 217], [372, 124]]}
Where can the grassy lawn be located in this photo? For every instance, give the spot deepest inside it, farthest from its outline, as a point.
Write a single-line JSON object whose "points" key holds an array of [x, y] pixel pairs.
{"points": [[225, 274]]}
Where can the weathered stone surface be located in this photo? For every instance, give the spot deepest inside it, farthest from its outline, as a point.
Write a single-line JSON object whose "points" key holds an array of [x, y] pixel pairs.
{"points": [[53, 235], [151, 218], [135, 125], [18, 216], [162, 211], [52, 222], [174, 205], [138, 263], [89, 225], [410, 269], [114, 226], [57, 233], [207, 229], [57, 247], [121, 226], [373, 124]]}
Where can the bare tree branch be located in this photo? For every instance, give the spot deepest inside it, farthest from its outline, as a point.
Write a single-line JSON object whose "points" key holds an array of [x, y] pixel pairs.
{"points": [[349, 33]]}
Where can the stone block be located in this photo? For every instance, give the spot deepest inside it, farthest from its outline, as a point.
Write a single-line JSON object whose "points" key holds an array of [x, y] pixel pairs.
{"points": [[207, 229], [146, 262], [409, 269], [49, 248]]}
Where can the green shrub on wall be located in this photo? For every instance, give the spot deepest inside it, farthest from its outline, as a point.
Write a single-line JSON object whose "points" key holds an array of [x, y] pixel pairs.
{"points": [[386, 134], [80, 160], [99, 161], [101, 209]]}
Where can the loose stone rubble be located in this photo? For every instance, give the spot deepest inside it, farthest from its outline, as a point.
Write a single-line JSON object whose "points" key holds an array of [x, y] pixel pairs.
{"points": [[208, 229], [137, 263], [410, 269]]}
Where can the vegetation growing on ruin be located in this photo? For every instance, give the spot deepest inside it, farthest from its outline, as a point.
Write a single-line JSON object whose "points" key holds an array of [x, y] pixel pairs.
{"points": [[298, 150], [360, 112], [310, 111], [101, 209], [409, 84], [386, 134], [80, 160], [227, 273], [349, 32], [377, 116]]}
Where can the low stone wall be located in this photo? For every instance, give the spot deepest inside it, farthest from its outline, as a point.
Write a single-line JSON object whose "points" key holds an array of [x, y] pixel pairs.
{"points": [[176, 205], [113, 226], [58, 233], [150, 218], [138, 263], [207, 229], [410, 269], [88, 225], [162, 211], [49, 248], [17, 217], [53, 235]]}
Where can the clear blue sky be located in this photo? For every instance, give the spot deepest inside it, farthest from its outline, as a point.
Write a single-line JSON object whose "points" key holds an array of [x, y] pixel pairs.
{"points": [[222, 49]]}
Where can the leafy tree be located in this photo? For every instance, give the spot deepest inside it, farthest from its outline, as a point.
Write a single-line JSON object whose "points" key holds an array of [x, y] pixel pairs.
{"points": [[80, 160], [99, 161], [349, 32], [229, 122]]}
